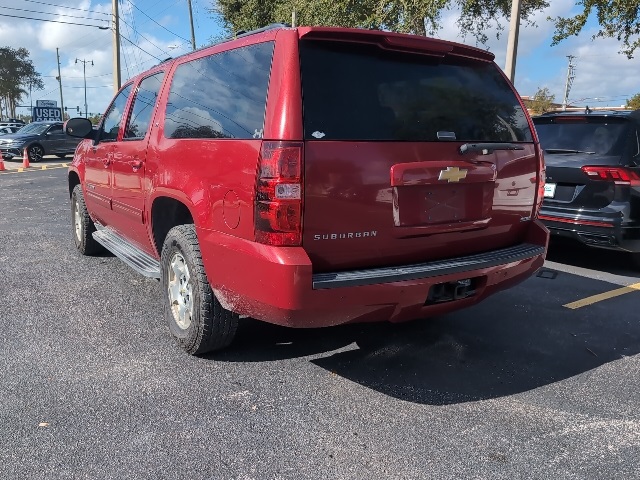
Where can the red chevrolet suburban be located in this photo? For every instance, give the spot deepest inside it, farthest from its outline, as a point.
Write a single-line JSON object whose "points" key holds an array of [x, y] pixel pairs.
{"points": [[311, 177]]}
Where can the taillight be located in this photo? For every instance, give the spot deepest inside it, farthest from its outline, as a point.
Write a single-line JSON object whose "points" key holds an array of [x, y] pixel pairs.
{"points": [[617, 175], [541, 181], [278, 206]]}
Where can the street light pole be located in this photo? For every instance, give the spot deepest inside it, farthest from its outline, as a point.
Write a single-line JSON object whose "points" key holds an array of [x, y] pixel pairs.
{"points": [[84, 69]]}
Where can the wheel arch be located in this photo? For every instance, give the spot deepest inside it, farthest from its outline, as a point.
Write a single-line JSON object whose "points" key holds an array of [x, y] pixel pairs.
{"points": [[73, 180], [167, 212]]}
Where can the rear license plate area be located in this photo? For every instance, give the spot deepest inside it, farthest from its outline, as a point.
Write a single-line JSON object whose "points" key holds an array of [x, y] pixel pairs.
{"points": [[451, 291], [442, 204]]}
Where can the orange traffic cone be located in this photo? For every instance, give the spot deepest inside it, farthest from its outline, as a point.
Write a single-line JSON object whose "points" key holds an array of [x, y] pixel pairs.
{"points": [[25, 159], [2, 169]]}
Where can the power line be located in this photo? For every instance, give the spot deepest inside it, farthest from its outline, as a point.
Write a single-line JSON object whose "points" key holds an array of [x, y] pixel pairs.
{"points": [[172, 33], [137, 46], [70, 8], [139, 34], [47, 13], [55, 21]]}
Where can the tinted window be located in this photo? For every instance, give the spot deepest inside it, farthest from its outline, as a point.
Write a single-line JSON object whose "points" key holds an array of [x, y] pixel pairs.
{"points": [[56, 129], [113, 117], [220, 96], [361, 92], [143, 104], [597, 135]]}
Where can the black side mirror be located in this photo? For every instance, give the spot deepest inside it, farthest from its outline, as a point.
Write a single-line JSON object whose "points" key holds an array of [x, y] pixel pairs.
{"points": [[79, 127]]}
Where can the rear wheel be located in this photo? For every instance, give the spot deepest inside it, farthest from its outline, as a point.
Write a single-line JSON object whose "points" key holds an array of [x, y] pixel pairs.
{"points": [[35, 153], [196, 319], [83, 226]]}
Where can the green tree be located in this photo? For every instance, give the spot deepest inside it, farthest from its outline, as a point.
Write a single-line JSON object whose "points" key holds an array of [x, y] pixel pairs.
{"points": [[95, 119], [542, 101], [17, 76], [619, 19], [415, 16], [634, 102]]}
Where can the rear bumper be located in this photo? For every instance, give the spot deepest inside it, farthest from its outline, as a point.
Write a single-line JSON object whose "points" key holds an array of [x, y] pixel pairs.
{"points": [[608, 233], [276, 284]]}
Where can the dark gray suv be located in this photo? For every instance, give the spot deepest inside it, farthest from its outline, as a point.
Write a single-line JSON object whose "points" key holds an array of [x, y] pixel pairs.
{"points": [[39, 138]]}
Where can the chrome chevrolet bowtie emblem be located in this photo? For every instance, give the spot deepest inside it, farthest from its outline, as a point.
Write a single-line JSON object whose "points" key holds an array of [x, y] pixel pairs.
{"points": [[452, 174]]}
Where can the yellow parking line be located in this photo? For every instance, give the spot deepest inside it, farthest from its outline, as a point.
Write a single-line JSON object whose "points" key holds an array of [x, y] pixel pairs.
{"points": [[35, 169], [603, 296]]}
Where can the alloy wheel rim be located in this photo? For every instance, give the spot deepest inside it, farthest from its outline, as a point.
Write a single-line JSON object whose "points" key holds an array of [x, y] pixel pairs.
{"points": [[77, 220], [180, 291], [36, 153]]}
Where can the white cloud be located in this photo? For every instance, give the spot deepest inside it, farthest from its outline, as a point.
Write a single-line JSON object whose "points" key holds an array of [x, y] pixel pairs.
{"points": [[603, 77]]}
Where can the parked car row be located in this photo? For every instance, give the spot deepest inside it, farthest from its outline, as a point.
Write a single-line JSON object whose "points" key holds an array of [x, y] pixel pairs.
{"points": [[40, 139]]}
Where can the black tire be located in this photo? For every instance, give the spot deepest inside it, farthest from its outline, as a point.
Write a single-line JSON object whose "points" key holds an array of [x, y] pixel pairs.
{"points": [[197, 321], [35, 153], [83, 226]]}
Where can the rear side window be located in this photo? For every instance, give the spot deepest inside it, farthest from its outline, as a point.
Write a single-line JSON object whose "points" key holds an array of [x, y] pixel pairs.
{"points": [[146, 96], [220, 96], [598, 135], [361, 92]]}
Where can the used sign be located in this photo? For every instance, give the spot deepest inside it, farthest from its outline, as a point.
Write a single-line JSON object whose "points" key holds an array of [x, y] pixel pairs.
{"points": [[41, 114]]}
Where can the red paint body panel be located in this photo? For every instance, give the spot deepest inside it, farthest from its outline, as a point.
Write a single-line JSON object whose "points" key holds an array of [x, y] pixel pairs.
{"points": [[274, 285], [349, 187], [349, 190]]}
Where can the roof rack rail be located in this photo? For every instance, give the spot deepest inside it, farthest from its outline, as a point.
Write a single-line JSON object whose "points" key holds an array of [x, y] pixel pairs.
{"points": [[244, 33], [239, 34]]}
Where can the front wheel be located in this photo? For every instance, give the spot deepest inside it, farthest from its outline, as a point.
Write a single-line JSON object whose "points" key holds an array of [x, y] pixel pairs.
{"points": [[197, 321], [35, 153], [83, 226]]}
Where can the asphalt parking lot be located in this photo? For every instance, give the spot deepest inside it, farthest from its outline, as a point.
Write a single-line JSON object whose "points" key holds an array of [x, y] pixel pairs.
{"points": [[541, 381]]}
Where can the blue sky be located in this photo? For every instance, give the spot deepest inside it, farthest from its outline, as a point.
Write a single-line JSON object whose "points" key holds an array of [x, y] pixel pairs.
{"points": [[160, 28]]}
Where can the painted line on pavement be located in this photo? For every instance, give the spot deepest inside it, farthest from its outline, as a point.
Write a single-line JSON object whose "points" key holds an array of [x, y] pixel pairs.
{"points": [[603, 296], [35, 169]]}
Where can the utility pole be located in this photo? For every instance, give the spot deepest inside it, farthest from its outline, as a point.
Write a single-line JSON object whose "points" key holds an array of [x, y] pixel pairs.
{"points": [[193, 35], [570, 76], [59, 83], [116, 47], [512, 44], [294, 18], [84, 69]]}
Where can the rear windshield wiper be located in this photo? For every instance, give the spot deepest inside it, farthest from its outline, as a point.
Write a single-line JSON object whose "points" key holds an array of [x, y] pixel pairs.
{"points": [[487, 148], [566, 150]]}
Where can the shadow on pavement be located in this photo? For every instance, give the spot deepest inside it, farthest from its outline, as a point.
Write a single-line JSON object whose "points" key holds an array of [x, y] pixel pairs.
{"points": [[513, 342], [571, 252]]}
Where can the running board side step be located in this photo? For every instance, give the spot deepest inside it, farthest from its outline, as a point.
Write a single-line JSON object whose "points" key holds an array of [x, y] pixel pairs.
{"points": [[140, 261]]}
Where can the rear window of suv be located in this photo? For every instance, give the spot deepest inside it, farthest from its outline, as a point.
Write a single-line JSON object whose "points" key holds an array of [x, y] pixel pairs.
{"points": [[598, 135], [361, 92]]}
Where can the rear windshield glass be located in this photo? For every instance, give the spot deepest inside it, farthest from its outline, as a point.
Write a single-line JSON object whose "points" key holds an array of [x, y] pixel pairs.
{"points": [[596, 135], [361, 92]]}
